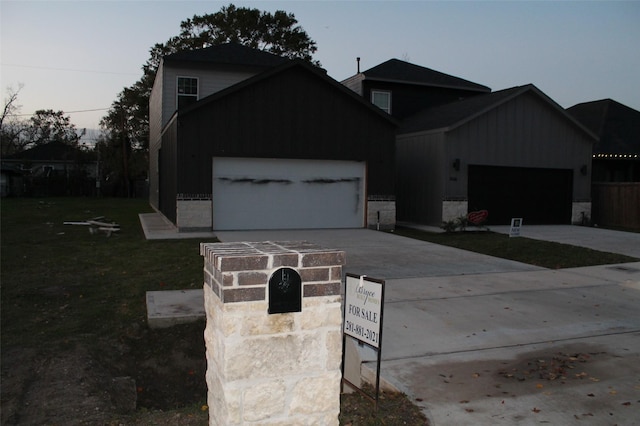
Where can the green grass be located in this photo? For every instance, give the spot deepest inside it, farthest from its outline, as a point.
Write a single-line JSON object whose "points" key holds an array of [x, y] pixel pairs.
{"points": [[59, 281], [535, 252]]}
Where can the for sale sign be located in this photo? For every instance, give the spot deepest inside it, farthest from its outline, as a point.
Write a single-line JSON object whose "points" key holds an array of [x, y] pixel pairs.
{"points": [[364, 299]]}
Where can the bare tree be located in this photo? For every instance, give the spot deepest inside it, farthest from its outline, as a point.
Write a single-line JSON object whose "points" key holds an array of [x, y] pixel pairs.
{"points": [[12, 128]]}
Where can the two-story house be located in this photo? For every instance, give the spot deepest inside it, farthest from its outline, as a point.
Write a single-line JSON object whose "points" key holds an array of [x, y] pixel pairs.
{"points": [[243, 139], [461, 148]]}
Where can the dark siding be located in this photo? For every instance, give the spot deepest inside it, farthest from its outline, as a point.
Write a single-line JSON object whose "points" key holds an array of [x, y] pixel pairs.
{"points": [[168, 166], [293, 114], [407, 99]]}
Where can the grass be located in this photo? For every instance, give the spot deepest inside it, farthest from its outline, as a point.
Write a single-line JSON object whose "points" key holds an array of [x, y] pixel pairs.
{"points": [[59, 280], [545, 254]]}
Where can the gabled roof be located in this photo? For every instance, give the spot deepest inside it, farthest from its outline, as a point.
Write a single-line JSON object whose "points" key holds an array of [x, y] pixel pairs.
{"points": [[450, 116], [397, 71], [617, 125], [228, 54], [318, 72]]}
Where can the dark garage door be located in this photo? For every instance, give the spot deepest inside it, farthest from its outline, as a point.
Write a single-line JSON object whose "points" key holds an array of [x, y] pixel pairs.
{"points": [[539, 196]]}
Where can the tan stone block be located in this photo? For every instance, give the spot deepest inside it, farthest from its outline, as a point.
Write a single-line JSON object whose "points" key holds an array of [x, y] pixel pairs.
{"points": [[320, 394], [271, 324], [273, 356], [334, 350], [265, 400]]}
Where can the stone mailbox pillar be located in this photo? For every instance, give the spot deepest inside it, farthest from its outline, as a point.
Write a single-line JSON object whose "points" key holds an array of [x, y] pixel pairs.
{"points": [[279, 368]]}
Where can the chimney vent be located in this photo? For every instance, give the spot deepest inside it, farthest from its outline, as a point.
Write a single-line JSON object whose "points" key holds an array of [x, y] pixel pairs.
{"points": [[358, 61]]}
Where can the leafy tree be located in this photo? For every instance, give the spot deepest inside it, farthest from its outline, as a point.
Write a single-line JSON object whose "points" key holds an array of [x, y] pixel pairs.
{"points": [[52, 126], [126, 125]]}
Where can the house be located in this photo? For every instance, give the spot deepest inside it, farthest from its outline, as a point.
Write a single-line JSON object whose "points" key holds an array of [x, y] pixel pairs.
{"points": [[403, 89], [514, 152], [615, 163], [616, 155], [50, 169], [242, 139]]}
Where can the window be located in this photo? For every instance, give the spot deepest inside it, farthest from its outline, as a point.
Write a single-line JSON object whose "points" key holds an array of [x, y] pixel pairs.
{"points": [[187, 91], [382, 100]]}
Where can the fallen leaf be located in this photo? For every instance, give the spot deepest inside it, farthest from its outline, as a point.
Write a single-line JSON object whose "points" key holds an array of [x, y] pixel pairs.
{"points": [[626, 403], [536, 410], [539, 385], [591, 395], [613, 392], [469, 410], [464, 401], [475, 375]]}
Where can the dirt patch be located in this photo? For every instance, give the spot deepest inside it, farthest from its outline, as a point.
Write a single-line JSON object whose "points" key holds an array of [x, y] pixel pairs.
{"points": [[93, 381]]}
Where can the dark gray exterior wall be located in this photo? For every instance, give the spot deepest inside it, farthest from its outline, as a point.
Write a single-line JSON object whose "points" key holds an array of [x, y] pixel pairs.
{"points": [[408, 99], [526, 131], [292, 114]]}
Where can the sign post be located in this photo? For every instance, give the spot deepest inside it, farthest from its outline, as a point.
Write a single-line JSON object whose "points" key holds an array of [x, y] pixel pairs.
{"points": [[363, 315], [516, 224]]}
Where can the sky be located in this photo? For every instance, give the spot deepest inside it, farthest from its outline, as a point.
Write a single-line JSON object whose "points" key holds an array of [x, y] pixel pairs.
{"points": [[76, 56]]}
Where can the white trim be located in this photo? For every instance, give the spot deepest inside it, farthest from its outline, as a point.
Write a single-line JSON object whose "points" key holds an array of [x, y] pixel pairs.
{"points": [[197, 95], [382, 92]]}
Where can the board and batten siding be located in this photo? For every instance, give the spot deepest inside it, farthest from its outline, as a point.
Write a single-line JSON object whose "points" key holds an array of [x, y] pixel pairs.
{"points": [[524, 132], [419, 163], [293, 114]]}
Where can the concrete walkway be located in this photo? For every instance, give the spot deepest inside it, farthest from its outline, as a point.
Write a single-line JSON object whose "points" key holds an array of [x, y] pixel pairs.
{"points": [[476, 340]]}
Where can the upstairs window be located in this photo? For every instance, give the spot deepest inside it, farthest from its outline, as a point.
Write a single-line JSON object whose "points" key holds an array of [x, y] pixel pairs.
{"points": [[187, 91], [381, 99]]}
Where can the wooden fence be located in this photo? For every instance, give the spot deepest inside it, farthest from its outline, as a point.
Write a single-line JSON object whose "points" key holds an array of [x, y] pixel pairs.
{"points": [[616, 204]]}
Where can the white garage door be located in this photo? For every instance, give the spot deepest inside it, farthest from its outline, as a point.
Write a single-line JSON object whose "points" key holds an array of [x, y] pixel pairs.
{"points": [[258, 193]]}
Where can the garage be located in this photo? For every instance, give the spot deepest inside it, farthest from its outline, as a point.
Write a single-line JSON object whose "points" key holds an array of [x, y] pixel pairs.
{"points": [[540, 196], [259, 193]]}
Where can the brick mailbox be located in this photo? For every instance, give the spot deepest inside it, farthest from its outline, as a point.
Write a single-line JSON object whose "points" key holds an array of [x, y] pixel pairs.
{"points": [[273, 334]]}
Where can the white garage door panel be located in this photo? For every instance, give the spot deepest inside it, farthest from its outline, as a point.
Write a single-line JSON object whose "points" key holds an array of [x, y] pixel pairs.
{"points": [[287, 194]]}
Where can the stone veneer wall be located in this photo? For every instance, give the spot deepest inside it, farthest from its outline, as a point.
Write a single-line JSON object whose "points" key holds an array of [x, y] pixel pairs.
{"points": [[452, 210], [193, 213], [581, 210], [279, 369], [386, 206]]}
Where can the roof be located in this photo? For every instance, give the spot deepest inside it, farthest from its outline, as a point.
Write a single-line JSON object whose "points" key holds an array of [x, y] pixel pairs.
{"points": [[318, 72], [617, 125], [228, 53], [452, 115], [52, 151], [395, 70]]}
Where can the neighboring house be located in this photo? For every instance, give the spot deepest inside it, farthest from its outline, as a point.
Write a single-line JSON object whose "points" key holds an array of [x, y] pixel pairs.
{"points": [[515, 153], [615, 163], [266, 142], [616, 156], [54, 168], [403, 89]]}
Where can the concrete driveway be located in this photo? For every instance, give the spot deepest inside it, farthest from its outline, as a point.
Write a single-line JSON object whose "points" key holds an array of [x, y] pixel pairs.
{"points": [[476, 340]]}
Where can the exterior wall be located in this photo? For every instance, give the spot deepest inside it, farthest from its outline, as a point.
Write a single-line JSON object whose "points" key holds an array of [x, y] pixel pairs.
{"points": [[381, 213], [408, 99], [293, 114], [193, 212], [354, 83], [272, 368], [452, 210], [581, 213], [525, 132], [420, 188], [162, 105]]}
